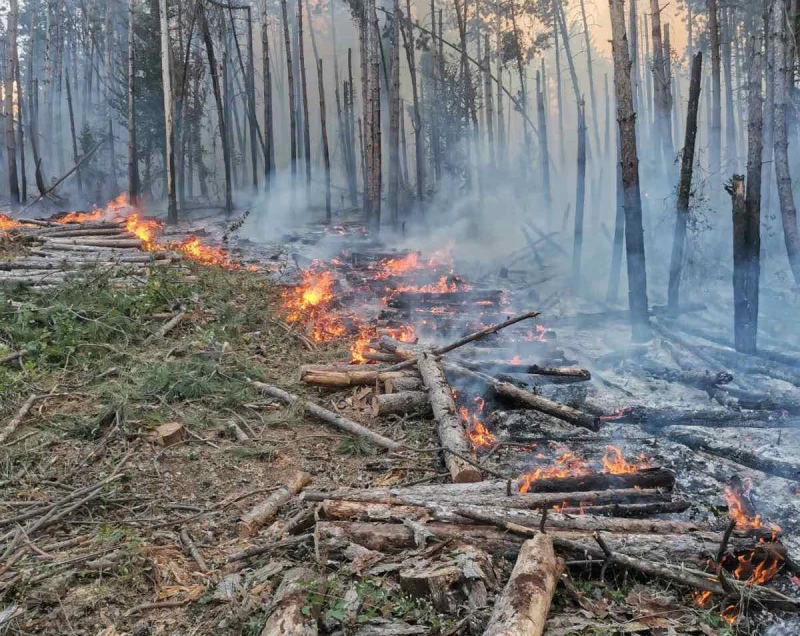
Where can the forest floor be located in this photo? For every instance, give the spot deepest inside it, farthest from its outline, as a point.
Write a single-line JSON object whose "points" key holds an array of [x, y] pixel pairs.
{"points": [[108, 557]]}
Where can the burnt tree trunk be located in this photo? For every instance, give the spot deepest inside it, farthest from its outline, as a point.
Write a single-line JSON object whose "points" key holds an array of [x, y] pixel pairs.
{"points": [[169, 131], [580, 197], [727, 69], [394, 119], [419, 138], [634, 231], [33, 117], [661, 88], [715, 135], [684, 187], [11, 142], [783, 69], [488, 99], [266, 72], [326, 159], [592, 95], [73, 136], [544, 155], [290, 79], [21, 134], [133, 158], [619, 232], [304, 93]]}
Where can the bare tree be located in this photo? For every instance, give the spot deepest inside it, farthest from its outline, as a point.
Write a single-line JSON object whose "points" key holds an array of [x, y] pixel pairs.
{"points": [[634, 232], [266, 73], [661, 87], [325, 152], [580, 197], [419, 137], [715, 137], [304, 93], [394, 118], [11, 143], [290, 79], [133, 153], [166, 80]]}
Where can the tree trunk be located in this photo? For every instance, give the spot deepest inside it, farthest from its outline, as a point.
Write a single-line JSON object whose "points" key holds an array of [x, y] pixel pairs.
{"points": [[33, 116], [783, 70], [290, 79], [579, 199], [684, 187], [373, 129], [559, 88], [544, 154], [11, 142], [304, 93], [266, 73], [251, 100], [133, 159], [21, 135], [350, 101], [715, 137], [212, 63], [562, 23], [488, 99], [769, 121], [661, 88], [634, 232], [326, 159], [394, 119], [419, 132], [592, 95], [166, 81], [72, 133], [619, 231], [727, 67]]}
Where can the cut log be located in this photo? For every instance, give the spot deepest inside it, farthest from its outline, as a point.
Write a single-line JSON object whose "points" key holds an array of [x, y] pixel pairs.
{"points": [[645, 478], [329, 417], [290, 614], [400, 403], [700, 379], [353, 376], [531, 400], [494, 367], [631, 510], [356, 511], [115, 243], [449, 427], [170, 433], [390, 538], [266, 510], [656, 418], [522, 608], [395, 385], [489, 498], [401, 300]]}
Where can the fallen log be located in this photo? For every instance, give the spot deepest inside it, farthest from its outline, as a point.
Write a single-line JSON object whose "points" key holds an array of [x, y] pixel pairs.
{"points": [[489, 498], [657, 418], [700, 379], [352, 376], [115, 243], [15, 421], [358, 511], [334, 419], [752, 364], [643, 478], [291, 613], [408, 383], [466, 339], [536, 402], [493, 367], [631, 510], [392, 538], [52, 246], [407, 299], [449, 427], [732, 397], [399, 403], [266, 510], [522, 608]]}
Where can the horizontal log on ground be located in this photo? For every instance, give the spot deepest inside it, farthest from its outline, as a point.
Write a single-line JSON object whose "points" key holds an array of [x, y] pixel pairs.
{"points": [[694, 548], [359, 511], [788, 401], [631, 510], [351, 376], [32, 280], [753, 364], [105, 231], [656, 417], [53, 246], [410, 383], [493, 367], [379, 356], [265, 511], [700, 379], [523, 501], [115, 243], [329, 417], [400, 403], [531, 400], [436, 299], [749, 448], [646, 478]]}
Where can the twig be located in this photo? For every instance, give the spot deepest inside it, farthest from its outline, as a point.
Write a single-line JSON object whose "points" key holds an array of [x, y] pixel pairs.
{"points": [[263, 549], [17, 419], [192, 548], [723, 546]]}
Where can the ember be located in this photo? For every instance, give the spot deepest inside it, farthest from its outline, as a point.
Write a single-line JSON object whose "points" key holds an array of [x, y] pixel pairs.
{"points": [[478, 434]]}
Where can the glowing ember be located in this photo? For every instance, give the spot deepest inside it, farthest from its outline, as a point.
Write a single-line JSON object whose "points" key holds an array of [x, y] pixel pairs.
{"points": [[144, 229], [365, 336], [310, 301], [615, 463], [623, 412], [516, 360], [536, 334], [196, 250], [82, 217], [398, 266], [477, 432], [445, 285]]}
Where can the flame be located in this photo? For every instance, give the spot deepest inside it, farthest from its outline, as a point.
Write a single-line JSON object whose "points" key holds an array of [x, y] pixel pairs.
{"points": [[566, 465], [477, 432], [82, 217], [445, 285], [357, 350], [7, 223], [623, 412], [311, 301], [615, 463], [702, 598], [730, 614], [145, 230], [516, 360], [194, 249], [398, 266], [536, 334]]}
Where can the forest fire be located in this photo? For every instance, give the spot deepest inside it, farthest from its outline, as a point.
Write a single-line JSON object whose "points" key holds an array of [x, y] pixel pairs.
{"points": [[311, 301], [615, 463], [196, 250], [144, 229], [82, 217], [7, 223]]}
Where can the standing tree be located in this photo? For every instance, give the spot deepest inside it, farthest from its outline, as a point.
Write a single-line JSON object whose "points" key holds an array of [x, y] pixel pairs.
{"points": [[634, 231], [715, 137], [133, 157], [10, 64], [166, 77]]}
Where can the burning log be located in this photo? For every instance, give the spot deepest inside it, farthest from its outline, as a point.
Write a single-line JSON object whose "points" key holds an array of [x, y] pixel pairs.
{"points": [[407, 299], [358, 376], [449, 428], [266, 510], [399, 403], [290, 615], [334, 419], [522, 608], [531, 400], [501, 366], [644, 478]]}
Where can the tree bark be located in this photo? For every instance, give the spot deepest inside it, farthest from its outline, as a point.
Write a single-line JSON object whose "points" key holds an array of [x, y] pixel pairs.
{"points": [[730, 118], [747, 259], [223, 131], [661, 87], [394, 118], [133, 158], [166, 82], [634, 231], [10, 63], [684, 187], [304, 93], [73, 135], [559, 87], [715, 135], [399, 403], [544, 154], [488, 101], [33, 116], [783, 70], [580, 197], [21, 134], [592, 95], [268, 509], [326, 158], [290, 79], [522, 608], [266, 73], [291, 615]]}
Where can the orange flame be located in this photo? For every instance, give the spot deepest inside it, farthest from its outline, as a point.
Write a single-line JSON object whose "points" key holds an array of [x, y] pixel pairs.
{"points": [[537, 334], [566, 465], [445, 285], [615, 463], [7, 223], [82, 217], [397, 266], [145, 230], [477, 432], [311, 301], [194, 249]]}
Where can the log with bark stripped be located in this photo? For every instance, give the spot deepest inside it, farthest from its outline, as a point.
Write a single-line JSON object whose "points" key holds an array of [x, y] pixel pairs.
{"points": [[266, 510], [400, 403], [290, 607]]}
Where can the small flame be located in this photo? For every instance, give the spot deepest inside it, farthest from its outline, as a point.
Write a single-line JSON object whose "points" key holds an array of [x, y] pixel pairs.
{"points": [[7, 223], [445, 285], [536, 334], [566, 465], [310, 301], [194, 249], [478, 434], [145, 230], [516, 360], [615, 463], [398, 266], [82, 217]]}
